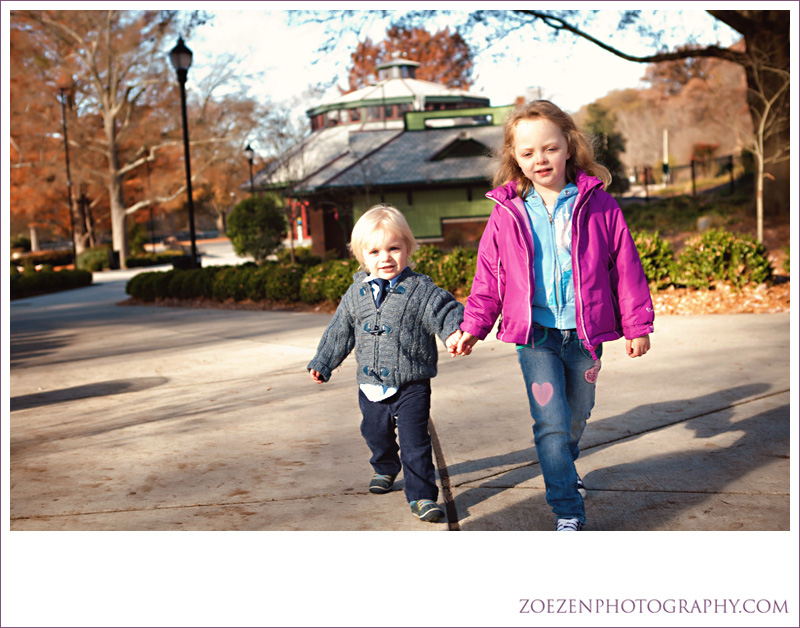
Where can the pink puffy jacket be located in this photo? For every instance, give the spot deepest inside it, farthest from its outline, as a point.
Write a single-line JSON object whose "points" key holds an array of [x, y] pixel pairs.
{"points": [[612, 298]]}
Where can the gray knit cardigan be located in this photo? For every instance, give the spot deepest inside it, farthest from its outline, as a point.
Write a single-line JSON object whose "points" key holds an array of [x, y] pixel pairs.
{"points": [[395, 344]]}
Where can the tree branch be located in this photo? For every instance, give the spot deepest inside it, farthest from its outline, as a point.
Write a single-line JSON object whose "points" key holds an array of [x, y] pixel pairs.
{"points": [[709, 51]]}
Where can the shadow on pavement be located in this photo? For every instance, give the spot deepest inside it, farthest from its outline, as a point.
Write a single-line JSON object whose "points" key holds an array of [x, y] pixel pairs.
{"points": [[671, 482], [85, 391], [31, 345]]}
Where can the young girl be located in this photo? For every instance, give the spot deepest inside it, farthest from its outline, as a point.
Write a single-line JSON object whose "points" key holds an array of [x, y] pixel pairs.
{"points": [[391, 316], [558, 264]]}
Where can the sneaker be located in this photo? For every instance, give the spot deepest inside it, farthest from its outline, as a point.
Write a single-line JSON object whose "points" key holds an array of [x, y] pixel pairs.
{"points": [[568, 525], [581, 487], [426, 509], [381, 483]]}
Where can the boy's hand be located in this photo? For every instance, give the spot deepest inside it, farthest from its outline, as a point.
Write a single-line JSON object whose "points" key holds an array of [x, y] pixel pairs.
{"points": [[638, 346], [465, 343], [315, 375], [452, 342]]}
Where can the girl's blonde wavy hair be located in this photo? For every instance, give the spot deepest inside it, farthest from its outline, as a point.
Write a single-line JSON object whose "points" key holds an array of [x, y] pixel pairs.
{"points": [[378, 224], [580, 148]]}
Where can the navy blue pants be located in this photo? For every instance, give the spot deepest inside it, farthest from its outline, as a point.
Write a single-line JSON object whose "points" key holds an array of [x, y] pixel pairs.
{"points": [[408, 411]]}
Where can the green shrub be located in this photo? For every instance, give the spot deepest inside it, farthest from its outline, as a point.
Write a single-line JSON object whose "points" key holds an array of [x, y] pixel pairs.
{"points": [[786, 262], [302, 256], [457, 269], [31, 282], [453, 271], [721, 256], [276, 282], [21, 242], [327, 281], [256, 226], [153, 259], [95, 259], [230, 283], [658, 259], [53, 258], [427, 259], [150, 286]]}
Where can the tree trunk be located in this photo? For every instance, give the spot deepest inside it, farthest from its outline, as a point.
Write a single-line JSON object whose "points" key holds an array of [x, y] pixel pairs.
{"points": [[34, 239], [766, 36], [119, 234], [119, 239]]}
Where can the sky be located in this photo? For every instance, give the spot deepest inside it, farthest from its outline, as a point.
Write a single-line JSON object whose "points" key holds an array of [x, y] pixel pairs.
{"points": [[281, 61]]}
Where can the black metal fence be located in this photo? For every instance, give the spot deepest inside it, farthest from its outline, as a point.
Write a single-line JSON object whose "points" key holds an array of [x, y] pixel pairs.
{"points": [[696, 168]]}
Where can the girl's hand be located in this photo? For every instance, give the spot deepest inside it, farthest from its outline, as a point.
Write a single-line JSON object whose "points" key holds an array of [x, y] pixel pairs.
{"points": [[315, 375], [466, 343], [638, 346]]}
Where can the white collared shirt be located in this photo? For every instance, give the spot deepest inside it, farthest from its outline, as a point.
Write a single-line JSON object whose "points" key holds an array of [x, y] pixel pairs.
{"points": [[377, 392]]}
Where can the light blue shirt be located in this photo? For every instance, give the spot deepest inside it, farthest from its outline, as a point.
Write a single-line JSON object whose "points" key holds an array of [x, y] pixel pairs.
{"points": [[376, 392], [554, 299]]}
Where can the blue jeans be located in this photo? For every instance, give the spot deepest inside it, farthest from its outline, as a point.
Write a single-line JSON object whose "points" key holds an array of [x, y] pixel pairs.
{"points": [[408, 410], [560, 376]]}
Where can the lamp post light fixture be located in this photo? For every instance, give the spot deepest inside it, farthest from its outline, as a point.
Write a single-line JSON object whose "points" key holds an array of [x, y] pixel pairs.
{"points": [[250, 153], [62, 90], [181, 58]]}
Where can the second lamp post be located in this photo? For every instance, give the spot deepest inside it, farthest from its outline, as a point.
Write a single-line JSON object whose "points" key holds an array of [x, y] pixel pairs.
{"points": [[181, 58], [250, 153]]}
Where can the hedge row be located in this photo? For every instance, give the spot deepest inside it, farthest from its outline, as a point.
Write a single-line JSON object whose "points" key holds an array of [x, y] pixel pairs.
{"points": [[31, 282], [99, 258], [716, 256], [272, 281]]}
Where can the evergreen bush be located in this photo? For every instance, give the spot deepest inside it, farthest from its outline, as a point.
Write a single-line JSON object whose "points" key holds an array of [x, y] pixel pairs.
{"points": [[95, 259], [722, 256], [256, 226], [153, 259], [427, 259], [32, 282], [457, 270], [302, 256], [327, 281], [658, 259]]}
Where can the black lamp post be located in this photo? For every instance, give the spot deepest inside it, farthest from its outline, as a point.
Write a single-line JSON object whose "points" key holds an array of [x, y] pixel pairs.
{"points": [[250, 153], [69, 177], [181, 58]]}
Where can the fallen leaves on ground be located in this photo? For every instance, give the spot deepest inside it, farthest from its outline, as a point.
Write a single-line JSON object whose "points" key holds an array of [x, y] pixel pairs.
{"points": [[723, 299]]}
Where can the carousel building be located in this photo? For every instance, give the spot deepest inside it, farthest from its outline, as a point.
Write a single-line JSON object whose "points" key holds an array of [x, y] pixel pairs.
{"points": [[423, 147]]}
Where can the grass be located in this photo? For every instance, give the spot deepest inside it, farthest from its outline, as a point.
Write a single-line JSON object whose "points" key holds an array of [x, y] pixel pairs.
{"points": [[670, 215]]}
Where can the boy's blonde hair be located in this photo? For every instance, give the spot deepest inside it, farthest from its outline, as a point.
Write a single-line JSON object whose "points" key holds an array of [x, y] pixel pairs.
{"points": [[375, 226], [580, 148]]}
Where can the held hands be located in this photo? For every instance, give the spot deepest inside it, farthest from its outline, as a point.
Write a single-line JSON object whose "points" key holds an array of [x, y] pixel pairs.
{"points": [[460, 343], [465, 344], [638, 346]]}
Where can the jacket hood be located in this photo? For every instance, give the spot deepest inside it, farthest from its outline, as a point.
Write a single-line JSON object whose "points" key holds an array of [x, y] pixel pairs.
{"points": [[508, 190]]}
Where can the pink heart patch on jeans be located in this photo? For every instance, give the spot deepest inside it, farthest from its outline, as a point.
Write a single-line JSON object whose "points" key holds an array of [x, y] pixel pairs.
{"points": [[542, 393]]}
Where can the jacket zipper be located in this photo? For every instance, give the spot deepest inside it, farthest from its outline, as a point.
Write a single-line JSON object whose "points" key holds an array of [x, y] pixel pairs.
{"points": [[529, 265], [579, 205], [556, 264]]}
